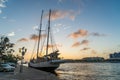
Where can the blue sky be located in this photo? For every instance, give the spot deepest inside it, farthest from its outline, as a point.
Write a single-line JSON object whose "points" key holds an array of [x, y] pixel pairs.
{"points": [[82, 27]]}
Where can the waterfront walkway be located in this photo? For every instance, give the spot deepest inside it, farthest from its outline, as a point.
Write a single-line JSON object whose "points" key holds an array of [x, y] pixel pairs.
{"points": [[28, 74]]}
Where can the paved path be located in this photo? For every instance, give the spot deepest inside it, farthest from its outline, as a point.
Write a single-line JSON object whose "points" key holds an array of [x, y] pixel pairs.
{"points": [[27, 74]]}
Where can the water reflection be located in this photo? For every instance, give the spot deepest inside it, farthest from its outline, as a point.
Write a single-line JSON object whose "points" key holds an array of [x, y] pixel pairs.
{"points": [[89, 71]]}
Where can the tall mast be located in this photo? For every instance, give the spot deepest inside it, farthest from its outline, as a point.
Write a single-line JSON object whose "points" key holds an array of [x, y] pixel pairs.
{"points": [[48, 33], [39, 34]]}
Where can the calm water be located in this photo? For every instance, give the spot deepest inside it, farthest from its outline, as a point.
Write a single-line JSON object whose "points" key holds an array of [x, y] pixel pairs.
{"points": [[89, 71]]}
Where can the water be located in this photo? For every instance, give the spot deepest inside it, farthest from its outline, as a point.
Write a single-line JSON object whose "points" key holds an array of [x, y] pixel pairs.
{"points": [[89, 71]]}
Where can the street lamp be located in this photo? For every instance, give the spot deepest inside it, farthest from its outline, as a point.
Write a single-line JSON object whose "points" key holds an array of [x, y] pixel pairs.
{"points": [[22, 50]]}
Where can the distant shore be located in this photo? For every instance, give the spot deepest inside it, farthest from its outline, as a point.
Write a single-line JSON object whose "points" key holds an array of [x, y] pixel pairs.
{"points": [[92, 61]]}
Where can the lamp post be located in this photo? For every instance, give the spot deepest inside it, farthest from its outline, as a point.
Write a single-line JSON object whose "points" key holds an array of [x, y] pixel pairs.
{"points": [[22, 50]]}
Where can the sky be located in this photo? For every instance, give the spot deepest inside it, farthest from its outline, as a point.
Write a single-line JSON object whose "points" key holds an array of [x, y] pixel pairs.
{"points": [[81, 28]]}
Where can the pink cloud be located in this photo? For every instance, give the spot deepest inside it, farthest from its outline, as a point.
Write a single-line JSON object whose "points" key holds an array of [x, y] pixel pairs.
{"points": [[22, 40], [35, 37], [77, 44], [79, 33], [85, 42], [54, 45], [84, 49], [60, 14], [93, 52]]}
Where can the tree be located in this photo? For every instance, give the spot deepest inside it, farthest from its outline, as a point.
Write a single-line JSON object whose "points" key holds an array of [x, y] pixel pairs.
{"points": [[6, 49], [11, 58], [5, 46]]}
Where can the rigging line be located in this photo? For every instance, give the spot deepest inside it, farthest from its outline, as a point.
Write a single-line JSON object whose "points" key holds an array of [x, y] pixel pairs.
{"points": [[43, 41], [42, 45], [52, 44], [53, 41], [33, 50], [39, 33], [48, 33]]}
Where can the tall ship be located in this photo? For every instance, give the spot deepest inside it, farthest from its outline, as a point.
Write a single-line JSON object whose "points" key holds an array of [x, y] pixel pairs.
{"points": [[50, 60]]}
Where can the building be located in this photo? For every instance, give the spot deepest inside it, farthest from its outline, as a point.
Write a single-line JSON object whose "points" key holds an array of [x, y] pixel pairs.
{"points": [[93, 59], [114, 55]]}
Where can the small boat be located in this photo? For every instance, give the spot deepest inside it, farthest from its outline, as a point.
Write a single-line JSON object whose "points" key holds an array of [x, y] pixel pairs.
{"points": [[49, 61]]}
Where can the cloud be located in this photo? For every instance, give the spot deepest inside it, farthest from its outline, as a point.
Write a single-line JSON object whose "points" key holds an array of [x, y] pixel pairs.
{"points": [[97, 34], [4, 17], [60, 27], [19, 29], [83, 42], [35, 28], [78, 34], [11, 20], [54, 45], [119, 45], [93, 52], [35, 37], [60, 14], [11, 34], [7, 19], [82, 33], [2, 5], [22, 40], [89, 50], [0, 11], [76, 44], [59, 1], [84, 49]]}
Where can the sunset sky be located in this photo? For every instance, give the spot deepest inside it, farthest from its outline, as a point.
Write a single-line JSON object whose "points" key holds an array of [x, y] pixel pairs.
{"points": [[81, 28]]}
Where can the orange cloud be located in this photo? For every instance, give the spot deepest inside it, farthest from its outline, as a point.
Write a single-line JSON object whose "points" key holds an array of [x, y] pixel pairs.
{"points": [[77, 44], [85, 49], [22, 40], [50, 46], [93, 52], [60, 14], [79, 33], [54, 45], [84, 42], [35, 37]]}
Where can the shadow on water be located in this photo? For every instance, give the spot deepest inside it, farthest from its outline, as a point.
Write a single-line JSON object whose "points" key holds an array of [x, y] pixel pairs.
{"points": [[52, 72]]}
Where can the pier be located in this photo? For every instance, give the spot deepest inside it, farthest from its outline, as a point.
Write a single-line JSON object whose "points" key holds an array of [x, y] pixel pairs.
{"points": [[27, 74]]}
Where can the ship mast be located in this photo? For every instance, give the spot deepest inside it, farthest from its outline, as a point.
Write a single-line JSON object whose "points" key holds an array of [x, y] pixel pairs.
{"points": [[39, 34], [48, 33]]}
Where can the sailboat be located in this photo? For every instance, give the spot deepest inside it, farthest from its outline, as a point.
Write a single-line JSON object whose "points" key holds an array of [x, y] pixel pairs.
{"points": [[49, 61]]}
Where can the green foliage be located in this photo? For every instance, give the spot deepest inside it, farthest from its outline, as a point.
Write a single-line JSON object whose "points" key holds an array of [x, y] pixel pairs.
{"points": [[6, 50], [5, 45], [11, 58]]}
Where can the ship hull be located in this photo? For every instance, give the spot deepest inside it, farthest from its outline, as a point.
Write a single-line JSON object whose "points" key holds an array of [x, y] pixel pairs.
{"points": [[47, 69], [45, 66]]}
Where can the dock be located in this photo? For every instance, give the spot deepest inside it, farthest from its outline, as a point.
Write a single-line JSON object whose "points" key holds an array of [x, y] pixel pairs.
{"points": [[28, 74]]}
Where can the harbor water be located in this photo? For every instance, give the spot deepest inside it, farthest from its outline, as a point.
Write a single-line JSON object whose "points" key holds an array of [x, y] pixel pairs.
{"points": [[89, 71]]}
